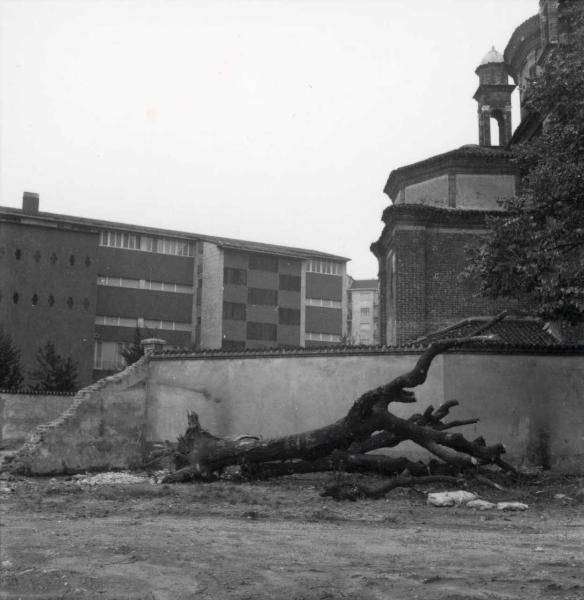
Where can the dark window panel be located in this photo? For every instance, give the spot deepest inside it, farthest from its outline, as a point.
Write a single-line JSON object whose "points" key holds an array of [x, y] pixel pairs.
{"points": [[290, 283], [234, 311], [262, 297], [234, 276], [262, 331], [288, 316]]}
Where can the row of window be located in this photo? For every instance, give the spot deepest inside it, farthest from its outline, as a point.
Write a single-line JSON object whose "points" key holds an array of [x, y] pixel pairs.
{"points": [[322, 337], [324, 266], [235, 276], [143, 284], [142, 323], [236, 311], [53, 257], [323, 303], [35, 300], [147, 243]]}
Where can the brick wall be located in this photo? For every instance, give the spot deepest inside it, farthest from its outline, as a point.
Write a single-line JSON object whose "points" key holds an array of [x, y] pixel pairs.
{"points": [[430, 255]]}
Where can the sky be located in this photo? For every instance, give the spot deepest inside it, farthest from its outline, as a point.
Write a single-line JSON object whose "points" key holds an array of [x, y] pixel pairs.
{"points": [[275, 121]]}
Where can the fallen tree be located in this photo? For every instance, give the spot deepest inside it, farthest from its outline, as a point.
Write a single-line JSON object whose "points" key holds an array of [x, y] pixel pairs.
{"points": [[345, 444]]}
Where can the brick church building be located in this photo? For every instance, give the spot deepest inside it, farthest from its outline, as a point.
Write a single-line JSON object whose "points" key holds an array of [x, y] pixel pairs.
{"points": [[440, 205]]}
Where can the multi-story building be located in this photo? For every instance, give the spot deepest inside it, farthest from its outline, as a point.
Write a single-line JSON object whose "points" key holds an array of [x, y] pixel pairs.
{"points": [[363, 308], [440, 205], [88, 284]]}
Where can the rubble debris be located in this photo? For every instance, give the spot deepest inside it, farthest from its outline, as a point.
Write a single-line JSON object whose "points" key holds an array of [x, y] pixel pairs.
{"points": [[450, 498]]}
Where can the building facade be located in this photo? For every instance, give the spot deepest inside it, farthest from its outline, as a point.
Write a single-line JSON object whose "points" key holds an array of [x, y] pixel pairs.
{"points": [[363, 308], [440, 205], [90, 285]]}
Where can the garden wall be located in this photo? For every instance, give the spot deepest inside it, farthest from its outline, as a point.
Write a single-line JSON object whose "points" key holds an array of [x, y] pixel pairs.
{"points": [[532, 403], [21, 413]]}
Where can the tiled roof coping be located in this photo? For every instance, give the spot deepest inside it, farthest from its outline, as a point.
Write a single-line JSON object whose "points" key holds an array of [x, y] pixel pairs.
{"points": [[487, 347], [36, 393]]}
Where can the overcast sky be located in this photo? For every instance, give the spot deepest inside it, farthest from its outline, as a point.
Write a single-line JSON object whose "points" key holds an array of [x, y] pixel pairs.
{"points": [[276, 120]]}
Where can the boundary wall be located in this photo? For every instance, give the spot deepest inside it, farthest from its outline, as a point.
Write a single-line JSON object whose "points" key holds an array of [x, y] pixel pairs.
{"points": [[530, 401], [21, 412]]}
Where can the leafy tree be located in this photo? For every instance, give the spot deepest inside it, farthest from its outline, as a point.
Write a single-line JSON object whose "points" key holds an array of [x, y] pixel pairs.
{"points": [[54, 373], [133, 352], [535, 251], [10, 373]]}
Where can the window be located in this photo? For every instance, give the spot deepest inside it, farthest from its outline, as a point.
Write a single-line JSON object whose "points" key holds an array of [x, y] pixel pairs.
{"points": [[167, 325], [234, 276], [365, 311], [262, 297], [261, 262], [116, 321], [290, 283], [107, 356], [324, 266], [261, 331], [323, 303], [288, 316], [135, 241], [120, 239], [322, 337], [234, 311], [143, 284]]}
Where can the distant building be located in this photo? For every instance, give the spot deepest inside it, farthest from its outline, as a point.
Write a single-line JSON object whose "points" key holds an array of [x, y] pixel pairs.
{"points": [[88, 284], [363, 307], [440, 205]]}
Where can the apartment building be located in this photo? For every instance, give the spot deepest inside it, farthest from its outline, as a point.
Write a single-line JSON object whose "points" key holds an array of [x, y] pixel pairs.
{"points": [[363, 309], [88, 284]]}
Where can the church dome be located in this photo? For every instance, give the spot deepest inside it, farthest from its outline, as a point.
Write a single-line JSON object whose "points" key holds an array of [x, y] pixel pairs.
{"points": [[492, 56]]}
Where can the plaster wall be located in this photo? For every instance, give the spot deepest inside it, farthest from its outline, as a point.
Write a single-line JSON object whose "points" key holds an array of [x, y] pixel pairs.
{"points": [[483, 191], [533, 404], [270, 396], [433, 192], [21, 413]]}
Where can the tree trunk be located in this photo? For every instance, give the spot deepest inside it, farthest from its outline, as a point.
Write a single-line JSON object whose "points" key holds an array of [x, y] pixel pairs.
{"points": [[368, 425]]}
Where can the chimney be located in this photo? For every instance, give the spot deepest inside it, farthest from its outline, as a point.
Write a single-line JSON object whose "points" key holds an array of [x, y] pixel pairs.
{"points": [[30, 203]]}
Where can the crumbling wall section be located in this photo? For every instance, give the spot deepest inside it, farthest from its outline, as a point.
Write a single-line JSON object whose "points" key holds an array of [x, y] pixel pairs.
{"points": [[102, 429]]}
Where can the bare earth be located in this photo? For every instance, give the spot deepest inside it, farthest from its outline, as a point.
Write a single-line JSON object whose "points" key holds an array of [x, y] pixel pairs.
{"points": [[281, 540]]}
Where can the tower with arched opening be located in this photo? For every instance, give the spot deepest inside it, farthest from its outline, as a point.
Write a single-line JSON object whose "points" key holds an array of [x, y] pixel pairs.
{"points": [[494, 98]]}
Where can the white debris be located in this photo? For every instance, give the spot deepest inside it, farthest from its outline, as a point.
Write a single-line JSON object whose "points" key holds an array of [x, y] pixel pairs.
{"points": [[450, 498], [511, 506], [111, 478], [481, 504]]}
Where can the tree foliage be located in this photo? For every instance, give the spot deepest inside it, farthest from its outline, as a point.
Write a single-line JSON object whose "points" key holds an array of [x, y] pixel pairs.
{"points": [[10, 372], [535, 252], [54, 373], [133, 352]]}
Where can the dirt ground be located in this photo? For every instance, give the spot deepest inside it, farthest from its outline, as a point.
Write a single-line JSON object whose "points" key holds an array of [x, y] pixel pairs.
{"points": [[280, 539]]}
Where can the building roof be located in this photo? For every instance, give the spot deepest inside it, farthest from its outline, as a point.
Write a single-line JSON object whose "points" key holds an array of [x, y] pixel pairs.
{"points": [[364, 284], [470, 156], [524, 39], [492, 56], [68, 221], [510, 332]]}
